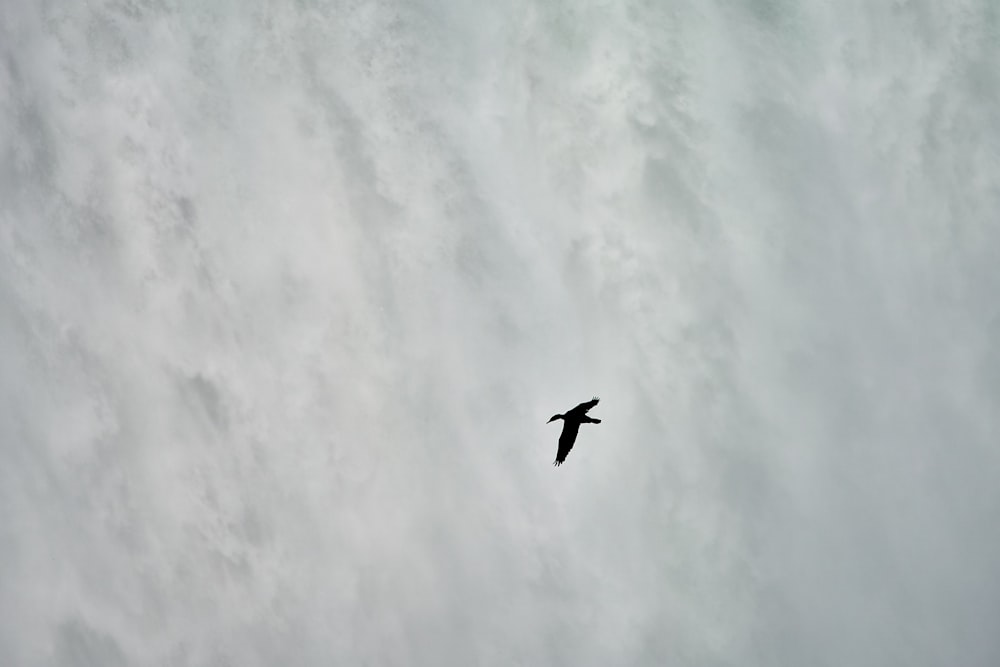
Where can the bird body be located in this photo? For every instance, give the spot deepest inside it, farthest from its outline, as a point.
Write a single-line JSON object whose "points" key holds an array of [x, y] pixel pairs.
{"points": [[571, 427]]}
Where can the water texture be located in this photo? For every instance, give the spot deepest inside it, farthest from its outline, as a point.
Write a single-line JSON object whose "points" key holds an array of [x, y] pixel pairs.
{"points": [[288, 291]]}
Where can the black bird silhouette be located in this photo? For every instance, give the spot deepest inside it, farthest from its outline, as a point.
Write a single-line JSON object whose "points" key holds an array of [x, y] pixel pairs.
{"points": [[571, 426]]}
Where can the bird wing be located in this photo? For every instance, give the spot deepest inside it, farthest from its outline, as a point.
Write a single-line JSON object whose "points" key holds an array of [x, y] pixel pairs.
{"points": [[584, 407], [566, 439]]}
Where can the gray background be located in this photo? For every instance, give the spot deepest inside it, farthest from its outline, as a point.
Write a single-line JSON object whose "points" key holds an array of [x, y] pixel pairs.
{"points": [[288, 291]]}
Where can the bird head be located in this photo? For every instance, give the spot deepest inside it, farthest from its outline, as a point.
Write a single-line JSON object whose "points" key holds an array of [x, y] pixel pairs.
{"points": [[554, 417]]}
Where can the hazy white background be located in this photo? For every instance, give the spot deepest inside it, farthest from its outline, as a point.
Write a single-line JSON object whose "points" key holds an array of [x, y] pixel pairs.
{"points": [[288, 291]]}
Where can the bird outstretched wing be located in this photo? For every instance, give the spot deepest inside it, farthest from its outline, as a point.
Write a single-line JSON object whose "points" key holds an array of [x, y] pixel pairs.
{"points": [[566, 440], [584, 407]]}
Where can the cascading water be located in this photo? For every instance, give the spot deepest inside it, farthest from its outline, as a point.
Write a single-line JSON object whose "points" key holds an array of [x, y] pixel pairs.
{"points": [[289, 290]]}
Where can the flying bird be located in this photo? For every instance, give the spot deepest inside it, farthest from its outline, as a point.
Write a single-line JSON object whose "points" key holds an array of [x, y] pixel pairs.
{"points": [[571, 426]]}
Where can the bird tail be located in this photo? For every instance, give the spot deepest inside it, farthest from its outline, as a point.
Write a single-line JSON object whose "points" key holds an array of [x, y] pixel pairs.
{"points": [[595, 421]]}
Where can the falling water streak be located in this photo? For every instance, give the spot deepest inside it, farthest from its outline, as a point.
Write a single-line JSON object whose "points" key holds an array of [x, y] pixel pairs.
{"points": [[287, 293]]}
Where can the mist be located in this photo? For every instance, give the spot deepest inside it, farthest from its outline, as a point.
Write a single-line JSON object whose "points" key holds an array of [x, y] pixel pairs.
{"points": [[288, 293]]}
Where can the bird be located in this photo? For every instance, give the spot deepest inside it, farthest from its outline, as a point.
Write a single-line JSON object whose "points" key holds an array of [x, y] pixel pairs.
{"points": [[571, 426]]}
